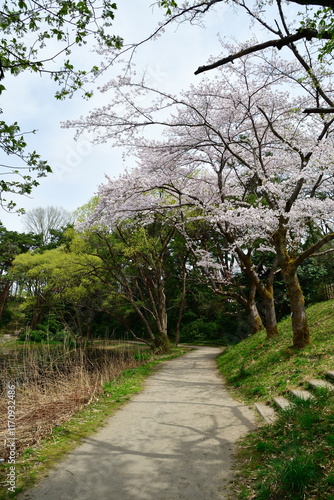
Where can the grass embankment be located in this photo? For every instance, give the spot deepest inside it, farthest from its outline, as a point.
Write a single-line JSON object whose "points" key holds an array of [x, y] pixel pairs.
{"points": [[294, 458], [56, 426]]}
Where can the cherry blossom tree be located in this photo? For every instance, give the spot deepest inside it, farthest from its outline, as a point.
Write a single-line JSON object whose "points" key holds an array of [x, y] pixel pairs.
{"points": [[131, 194], [193, 187], [218, 266], [303, 34], [237, 151], [312, 25]]}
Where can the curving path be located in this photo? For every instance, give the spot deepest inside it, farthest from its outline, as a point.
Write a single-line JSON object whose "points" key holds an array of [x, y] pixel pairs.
{"points": [[173, 441]]}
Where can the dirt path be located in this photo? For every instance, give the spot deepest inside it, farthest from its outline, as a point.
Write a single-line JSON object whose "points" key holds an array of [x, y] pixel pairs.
{"points": [[173, 441]]}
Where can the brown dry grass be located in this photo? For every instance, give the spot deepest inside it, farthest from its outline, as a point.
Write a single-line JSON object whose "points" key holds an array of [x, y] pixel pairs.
{"points": [[51, 385]]}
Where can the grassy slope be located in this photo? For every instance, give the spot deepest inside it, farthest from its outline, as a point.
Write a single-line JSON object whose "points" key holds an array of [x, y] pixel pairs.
{"points": [[293, 459], [259, 368]]}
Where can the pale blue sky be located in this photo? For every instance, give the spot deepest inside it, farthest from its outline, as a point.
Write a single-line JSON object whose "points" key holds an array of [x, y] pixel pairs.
{"points": [[78, 166]]}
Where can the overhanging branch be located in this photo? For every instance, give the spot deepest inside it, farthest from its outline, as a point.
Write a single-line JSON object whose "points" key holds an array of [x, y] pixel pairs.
{"points": [[322, 3], [306, 33], [319, 110], [313, 249]]}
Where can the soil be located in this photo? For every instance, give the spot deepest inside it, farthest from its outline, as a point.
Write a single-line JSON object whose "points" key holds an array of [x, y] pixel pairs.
{"points": [[173, 441]]}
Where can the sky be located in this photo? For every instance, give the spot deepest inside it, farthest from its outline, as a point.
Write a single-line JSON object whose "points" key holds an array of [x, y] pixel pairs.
{"points": [[78, 166]]}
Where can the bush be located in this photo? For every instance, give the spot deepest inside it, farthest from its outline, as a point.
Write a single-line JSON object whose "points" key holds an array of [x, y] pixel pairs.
{"points": [[32, 335], [42, 335], [6, 317], [200, 330]]}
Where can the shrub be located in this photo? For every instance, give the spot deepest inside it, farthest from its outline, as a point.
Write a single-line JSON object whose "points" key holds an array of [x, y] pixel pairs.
{"points": [[6, 317], [200, 330]]}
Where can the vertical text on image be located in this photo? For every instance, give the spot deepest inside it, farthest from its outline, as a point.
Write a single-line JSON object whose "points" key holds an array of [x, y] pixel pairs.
{"points": [[11, 437]]}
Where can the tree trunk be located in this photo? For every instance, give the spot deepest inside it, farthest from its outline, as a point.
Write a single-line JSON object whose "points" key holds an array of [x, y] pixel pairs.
{"points": [[182, 303], [254, 317], [4, 297], [161, 343], [270, 312], [266, 293], [300, 329], [301, 333]]}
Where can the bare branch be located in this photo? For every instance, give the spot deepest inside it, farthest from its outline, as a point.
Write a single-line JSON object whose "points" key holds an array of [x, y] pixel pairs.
{"points": [[312, 250], [319, 110], [322, 3], [325, 252], [304, 33]]}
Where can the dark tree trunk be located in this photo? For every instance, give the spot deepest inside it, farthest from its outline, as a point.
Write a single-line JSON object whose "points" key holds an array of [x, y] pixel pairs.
{"points": [[254, 318], [181, 303], [270, 312], [265, 291], [4, 297], [300, 329]]}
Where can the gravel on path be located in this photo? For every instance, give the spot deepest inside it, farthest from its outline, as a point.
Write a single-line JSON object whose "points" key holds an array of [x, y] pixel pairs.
{"points": [[173, 441]]}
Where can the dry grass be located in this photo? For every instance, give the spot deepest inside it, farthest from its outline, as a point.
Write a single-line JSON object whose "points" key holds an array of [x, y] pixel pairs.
{"points": [[51, 384]]}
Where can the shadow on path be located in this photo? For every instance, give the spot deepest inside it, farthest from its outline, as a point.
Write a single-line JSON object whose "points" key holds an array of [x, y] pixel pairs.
{"points": [[173, 441]]}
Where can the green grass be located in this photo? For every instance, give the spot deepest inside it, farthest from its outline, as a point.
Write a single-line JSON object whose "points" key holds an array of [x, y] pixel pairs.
{"points": [[260, 368], [294, 458], [37, 460]]}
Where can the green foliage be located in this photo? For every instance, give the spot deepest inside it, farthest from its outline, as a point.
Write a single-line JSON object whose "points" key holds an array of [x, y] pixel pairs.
{"points": [[33, 336], [312, 276], [13, 243], [13, 143], [168, 5], [82, 213], [29, 28], [143, 355], [200, 330], [131, 269], [95, 274], [119, 274], [210, 317], [50, 331], [5, 318], [322, 20]]}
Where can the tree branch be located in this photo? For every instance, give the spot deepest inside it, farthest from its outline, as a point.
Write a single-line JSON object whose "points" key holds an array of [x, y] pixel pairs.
{"points": [[323, 3], [325, 252], [319, 110], [306, 33], [311, 250]]}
